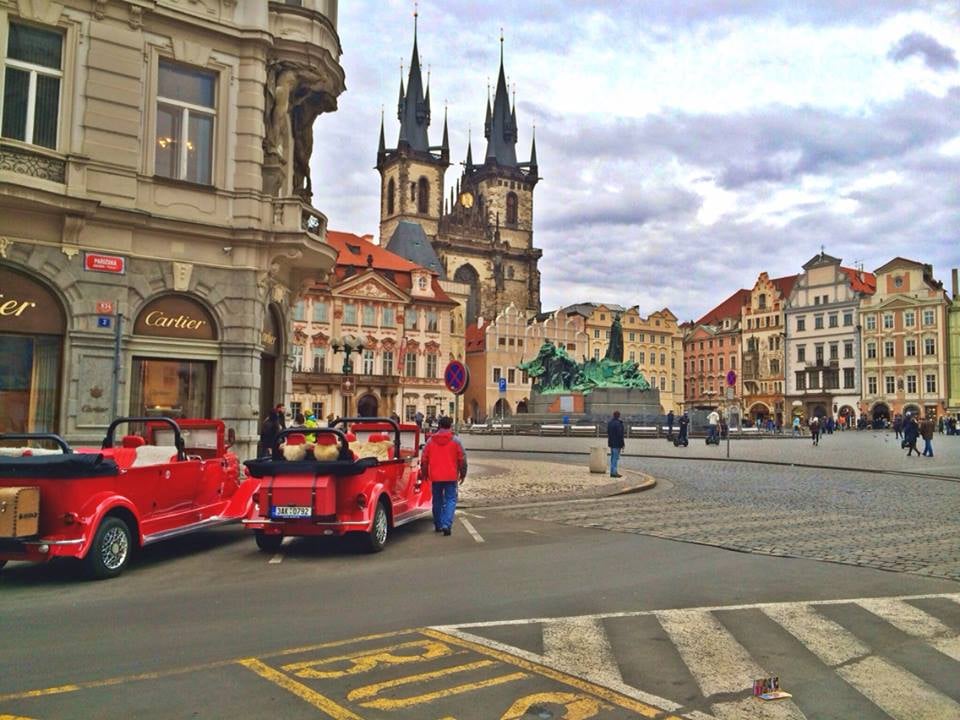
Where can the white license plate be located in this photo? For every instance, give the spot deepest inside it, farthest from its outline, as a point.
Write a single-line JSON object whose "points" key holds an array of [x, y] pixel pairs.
{"points": [[292, 511]]}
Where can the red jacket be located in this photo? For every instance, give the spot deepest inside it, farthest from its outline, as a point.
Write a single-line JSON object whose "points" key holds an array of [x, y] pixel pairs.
{"points": [[443, 458]]}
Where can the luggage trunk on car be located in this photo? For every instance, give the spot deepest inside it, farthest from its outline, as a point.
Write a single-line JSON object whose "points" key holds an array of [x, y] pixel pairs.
{"points": [[19, 511]]}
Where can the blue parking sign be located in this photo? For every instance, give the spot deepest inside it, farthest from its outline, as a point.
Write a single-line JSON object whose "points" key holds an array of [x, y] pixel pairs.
{"points": [[103, 322], [503, 384]]}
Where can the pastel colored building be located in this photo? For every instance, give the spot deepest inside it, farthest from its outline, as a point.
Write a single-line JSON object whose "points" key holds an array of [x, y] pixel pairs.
{"points": [[408, 324], [904, 342], [763, 332], [711, 349], [822, 352], [953, 353]]}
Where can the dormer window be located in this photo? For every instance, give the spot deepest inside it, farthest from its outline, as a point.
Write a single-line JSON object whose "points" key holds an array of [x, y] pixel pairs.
{"points": [[422, 282]]}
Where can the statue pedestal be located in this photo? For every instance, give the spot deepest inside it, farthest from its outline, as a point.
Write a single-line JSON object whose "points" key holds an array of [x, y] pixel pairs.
{"points": [[639, 405]]}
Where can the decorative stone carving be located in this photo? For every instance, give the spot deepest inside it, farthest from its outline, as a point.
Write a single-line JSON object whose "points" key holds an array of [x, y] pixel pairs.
{"points": [[319, 340], [370, 290], [136, 17], [5, 243], [72, 226], [99, 9], [35, 165], [279, 293], [182, 273], [70, 252]]}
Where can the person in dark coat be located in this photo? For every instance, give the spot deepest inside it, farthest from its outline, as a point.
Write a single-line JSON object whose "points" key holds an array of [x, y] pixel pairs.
{"points": [[615, 441], [281, 412], [926, 432], [684, 425], [911, 431], [268, 434], [670, 424]]}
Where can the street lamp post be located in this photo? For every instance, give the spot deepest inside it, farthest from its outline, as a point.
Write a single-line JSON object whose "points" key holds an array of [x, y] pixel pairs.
{"points": [[347, 344]]}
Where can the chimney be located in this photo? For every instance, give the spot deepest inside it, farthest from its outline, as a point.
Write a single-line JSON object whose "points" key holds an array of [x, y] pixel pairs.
{"points": [[956, 285]]}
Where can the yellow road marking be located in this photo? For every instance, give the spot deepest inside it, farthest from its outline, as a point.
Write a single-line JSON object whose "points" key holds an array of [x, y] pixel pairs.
{"points": [[609, 695], [14, 717], [160, 674], [388, 704], [312, 697], [576, 707], [366, 660]]}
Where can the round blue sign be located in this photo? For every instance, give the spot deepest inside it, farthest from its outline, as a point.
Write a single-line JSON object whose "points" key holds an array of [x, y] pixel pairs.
{"points": [[456, 377]]}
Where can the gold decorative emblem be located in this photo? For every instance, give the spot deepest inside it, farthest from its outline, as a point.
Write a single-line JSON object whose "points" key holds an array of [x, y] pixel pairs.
{"points": [[466, 199]]}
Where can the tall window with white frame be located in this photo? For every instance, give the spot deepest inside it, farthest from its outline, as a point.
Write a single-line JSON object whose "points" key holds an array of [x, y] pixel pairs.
{"points": [[186, 110], [33, 72]]}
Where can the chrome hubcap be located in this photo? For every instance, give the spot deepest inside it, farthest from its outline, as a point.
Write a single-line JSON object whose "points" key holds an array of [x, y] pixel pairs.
{"points": [[114, 549], [380, 526]]}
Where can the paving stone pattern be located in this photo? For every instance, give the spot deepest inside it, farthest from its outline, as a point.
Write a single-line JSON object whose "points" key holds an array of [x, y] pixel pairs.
{"points": [[896, 523]]}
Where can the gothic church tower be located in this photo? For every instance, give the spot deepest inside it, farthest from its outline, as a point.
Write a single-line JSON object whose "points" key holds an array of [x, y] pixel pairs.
{"points": [[411, 175]]}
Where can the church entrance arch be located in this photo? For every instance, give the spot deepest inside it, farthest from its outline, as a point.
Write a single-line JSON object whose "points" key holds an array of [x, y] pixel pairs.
{"points": [[368, 406], [468, 275]]}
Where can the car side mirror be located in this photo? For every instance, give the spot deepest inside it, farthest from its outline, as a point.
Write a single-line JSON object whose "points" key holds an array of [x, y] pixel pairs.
{"points": [[231, 437]]}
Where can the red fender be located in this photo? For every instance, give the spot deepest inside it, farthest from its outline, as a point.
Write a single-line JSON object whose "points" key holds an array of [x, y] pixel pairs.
{"points": [[95, 509]]}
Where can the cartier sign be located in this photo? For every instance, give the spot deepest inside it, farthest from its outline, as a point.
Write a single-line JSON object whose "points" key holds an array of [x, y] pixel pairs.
{"points": [[176, 316], [27, 307]]}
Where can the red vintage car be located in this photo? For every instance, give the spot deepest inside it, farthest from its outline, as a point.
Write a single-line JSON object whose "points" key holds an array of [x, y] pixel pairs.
{"points": [[360, 475], [99, 504]]}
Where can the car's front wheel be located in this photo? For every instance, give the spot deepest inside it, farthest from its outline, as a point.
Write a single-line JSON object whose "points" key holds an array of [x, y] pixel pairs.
{"points": [[269, 543], [111, 549], [377, 537]]}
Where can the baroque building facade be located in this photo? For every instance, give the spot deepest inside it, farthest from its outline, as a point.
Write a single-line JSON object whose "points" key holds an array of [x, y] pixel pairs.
{"points": [[482, 234], [953, 346], [822, 351], [763, 336], [904, 342], [155, 216], [711, 349], [407, 323]]}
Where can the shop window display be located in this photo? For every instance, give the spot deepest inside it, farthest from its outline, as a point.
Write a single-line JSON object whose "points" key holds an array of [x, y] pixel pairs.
{"points": [[29, 377], [173, 388]]}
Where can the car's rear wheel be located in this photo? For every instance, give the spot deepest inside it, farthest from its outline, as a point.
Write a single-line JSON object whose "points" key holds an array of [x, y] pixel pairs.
{"points": [[269, 543], [377, 537], [110, 552]]}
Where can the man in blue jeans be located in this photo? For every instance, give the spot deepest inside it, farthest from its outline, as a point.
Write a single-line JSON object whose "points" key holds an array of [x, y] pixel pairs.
{"points": [[615, 441], [444, 463]]}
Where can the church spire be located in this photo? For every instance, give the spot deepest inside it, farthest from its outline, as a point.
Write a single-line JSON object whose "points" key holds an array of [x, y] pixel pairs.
{"points": [[445, 143], [469, 162], [382, 147], [414, 109], [501, 129]]}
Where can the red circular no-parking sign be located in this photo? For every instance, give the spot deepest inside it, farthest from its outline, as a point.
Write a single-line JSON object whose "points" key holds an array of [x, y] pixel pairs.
{"points": [[456, 377]]}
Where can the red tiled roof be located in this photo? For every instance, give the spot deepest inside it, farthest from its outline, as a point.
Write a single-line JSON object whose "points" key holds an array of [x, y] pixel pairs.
{"points": [[729, 308], [862, 282], [785, 284], [476, 338], [353, 250]]}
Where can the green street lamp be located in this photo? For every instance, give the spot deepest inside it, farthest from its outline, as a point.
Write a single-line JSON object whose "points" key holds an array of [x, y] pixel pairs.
{"points": [[347, 344]]}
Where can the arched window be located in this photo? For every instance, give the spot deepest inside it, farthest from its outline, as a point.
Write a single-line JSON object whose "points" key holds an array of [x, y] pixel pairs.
{"points": [[468, 275], [423, 196], [511, 208], [391, 196]]}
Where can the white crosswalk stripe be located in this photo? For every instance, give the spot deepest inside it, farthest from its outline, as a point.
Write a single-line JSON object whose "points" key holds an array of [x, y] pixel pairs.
{"points": [[723, 669], [719, 664], [916, 623]]}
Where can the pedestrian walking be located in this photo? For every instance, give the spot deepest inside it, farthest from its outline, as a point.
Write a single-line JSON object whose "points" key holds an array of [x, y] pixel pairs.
{"points": [[815, 429], [911, 432], [615, 441], [670, 424], [796, 426], [898, 427], [926, 432], [418, 419], [443, 463], [268, 434]]}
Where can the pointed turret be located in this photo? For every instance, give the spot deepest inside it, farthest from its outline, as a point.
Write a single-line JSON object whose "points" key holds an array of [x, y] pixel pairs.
{"points": [[533, 154], [445, 143], [382, 147], [501, 131], [469, 162], [414, 112]]}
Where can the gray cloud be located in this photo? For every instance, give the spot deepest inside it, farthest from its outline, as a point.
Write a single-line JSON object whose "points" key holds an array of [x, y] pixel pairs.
{"points": [[936, 56]]}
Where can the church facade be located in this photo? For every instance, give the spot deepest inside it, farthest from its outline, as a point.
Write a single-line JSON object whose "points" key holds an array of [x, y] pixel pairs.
{"points": [[481, 235]]}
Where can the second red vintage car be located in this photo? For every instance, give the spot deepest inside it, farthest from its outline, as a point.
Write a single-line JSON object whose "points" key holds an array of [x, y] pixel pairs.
{"points": [[99, 504], [358, 476]]}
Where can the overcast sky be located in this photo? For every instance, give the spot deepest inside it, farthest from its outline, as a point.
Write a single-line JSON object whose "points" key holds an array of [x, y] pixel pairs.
{"points": [[685, 145]]}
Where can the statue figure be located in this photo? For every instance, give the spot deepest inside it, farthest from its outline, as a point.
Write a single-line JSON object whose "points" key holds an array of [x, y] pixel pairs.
{"points": [[615, 347], [281, 82], [554, 371]]}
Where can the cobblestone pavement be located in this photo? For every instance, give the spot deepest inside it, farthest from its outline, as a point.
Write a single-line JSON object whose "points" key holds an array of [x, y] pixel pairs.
{"points": [[879, 450], [509, 480], [891, 522]]}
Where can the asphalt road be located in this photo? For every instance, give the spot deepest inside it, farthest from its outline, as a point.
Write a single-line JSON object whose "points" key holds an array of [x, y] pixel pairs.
{"points": [[525, 613]]}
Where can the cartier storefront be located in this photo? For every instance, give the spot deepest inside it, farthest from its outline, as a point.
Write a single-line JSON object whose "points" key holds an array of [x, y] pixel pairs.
{"points": [[32, 327]]}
